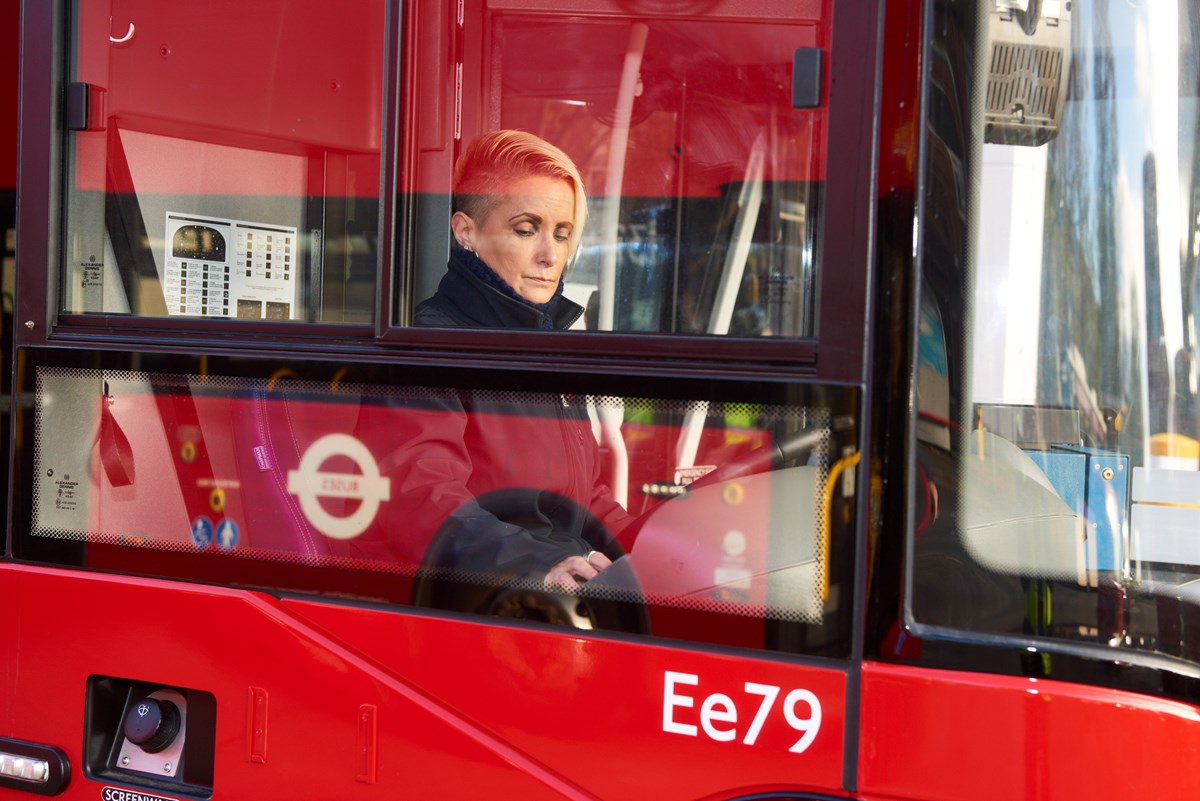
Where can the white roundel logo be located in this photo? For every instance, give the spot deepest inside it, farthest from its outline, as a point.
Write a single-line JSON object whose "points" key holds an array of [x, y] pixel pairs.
{"points": [[308, 483]]}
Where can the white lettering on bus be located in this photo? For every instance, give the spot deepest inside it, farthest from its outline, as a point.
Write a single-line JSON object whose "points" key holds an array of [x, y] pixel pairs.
{"points": [[117, 794], [671, 700], [719, 712]]}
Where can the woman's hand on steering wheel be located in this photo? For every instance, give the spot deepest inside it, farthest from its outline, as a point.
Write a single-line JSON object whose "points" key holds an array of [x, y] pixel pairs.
{"points": [[574, 570]]}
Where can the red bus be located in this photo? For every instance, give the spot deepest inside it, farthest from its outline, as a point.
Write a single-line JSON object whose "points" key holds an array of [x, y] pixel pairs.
{"points": [[870, 442]]}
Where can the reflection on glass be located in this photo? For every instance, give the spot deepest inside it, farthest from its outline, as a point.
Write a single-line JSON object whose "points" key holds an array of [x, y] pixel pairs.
{"points": [[1073, 453], [203, 149], [717, 508]]}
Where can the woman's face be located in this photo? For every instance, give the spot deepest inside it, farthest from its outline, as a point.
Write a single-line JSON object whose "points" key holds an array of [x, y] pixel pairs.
{"points": [[525, 237]]}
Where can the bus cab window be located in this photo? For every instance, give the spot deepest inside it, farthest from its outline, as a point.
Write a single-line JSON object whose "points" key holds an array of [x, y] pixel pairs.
{"points": [[703, 181], [227, 173], [1067, 465]]}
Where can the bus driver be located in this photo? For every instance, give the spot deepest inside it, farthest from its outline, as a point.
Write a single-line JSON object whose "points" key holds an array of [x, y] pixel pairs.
{"points": [[525, 476]]}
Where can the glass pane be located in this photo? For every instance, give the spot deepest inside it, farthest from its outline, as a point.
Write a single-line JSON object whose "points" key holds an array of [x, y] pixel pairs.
{"points": [[697, 520], [702, 172], [227, 160], [1072, 447]]}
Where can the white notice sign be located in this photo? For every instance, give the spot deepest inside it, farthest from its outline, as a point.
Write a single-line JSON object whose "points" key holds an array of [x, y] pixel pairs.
{"points": [[230, 268]]}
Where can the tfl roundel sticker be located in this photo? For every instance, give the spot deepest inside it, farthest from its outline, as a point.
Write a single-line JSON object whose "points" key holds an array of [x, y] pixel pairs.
{"points": [[309, 484]]}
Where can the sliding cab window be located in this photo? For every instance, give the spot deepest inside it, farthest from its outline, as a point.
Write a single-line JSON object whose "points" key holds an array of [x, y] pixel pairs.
{"points": [[700, 139], [223, 160]]}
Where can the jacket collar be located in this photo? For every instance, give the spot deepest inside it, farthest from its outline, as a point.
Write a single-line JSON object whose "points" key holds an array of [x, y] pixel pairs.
{"points": [[489, 307]]}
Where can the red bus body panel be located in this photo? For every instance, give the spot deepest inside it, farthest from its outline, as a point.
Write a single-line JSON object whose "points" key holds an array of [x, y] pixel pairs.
{"points": [[942, 735], [553, 716]]}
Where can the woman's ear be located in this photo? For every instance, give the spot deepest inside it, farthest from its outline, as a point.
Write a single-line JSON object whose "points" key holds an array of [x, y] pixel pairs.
{"points": [[463, 228]]}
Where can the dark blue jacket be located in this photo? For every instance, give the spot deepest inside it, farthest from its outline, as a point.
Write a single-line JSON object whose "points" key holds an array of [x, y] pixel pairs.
{"points": [[514, 479], [465, 300]]}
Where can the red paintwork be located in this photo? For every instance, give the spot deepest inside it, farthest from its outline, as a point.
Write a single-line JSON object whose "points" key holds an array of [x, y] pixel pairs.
{"points": [[292, 72], [946, 736], [542, 714], [461, 706], [898, 118], [239, 89], [738, 77], [247, 93], [10, 29]]}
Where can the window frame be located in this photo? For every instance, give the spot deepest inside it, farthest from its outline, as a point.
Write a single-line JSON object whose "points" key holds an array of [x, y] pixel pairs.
{"points": [[836, 351]]}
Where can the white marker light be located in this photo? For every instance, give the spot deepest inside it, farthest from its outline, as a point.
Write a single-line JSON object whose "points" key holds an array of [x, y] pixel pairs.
{"points": [[24, 768]]}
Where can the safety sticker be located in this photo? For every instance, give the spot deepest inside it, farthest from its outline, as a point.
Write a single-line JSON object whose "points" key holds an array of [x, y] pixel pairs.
{"points": [[202, 532], [227, 534]]}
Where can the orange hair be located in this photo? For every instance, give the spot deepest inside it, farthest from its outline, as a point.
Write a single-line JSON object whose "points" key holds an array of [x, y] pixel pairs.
{"points": [[498, 157]]}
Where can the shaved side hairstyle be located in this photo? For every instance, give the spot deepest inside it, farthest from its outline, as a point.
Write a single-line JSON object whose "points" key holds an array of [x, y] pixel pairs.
{"points": [[497, 158]]}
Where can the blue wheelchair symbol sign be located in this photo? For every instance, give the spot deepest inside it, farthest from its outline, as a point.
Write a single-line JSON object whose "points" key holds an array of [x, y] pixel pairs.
{"points": [[227, 534], [202, 532]]}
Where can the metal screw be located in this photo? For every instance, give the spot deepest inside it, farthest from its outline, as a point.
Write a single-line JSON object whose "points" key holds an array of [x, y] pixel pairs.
{"points": [[124, 760], [166, 767], [1107, 474], [29, 324]]}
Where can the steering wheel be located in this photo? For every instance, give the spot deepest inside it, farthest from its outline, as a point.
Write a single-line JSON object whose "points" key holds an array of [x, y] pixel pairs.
{"points": [[440, 584]]}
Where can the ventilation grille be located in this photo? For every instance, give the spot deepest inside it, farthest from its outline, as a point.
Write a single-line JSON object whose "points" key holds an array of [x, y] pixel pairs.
{"points": [[1023, 83]]}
